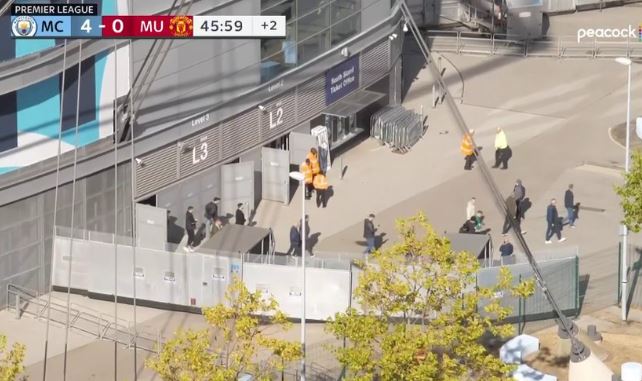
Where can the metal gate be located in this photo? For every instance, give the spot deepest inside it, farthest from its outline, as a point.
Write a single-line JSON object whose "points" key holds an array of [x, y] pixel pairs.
{"points": [[275, 166], [300, 145], [237, 186]]}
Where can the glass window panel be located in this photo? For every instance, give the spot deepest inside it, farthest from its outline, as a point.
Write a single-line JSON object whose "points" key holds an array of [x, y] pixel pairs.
{"points": [[346, 29], [313, 47], [343, 9], [313, 23]]}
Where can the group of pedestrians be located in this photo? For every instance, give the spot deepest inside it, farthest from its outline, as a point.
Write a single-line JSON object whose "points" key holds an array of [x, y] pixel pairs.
{"points": [[314, 178], [213, 222], [516, 202], [503, 152]]}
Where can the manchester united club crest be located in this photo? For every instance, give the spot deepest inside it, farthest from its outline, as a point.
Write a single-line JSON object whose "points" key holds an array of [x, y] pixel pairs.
{"points": [[181, 26]]}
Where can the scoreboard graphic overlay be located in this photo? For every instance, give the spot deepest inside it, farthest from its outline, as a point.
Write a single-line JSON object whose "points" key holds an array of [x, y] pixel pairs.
{"points": [[82, 21]]}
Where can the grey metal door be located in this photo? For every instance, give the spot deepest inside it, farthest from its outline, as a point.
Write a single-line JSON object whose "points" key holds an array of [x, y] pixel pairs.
{"points": [[275, 168], [151, 227], [237, 186], [300, 145]]}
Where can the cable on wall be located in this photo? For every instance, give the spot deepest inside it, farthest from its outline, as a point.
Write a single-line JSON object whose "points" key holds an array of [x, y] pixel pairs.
{"points": [[55, 211], [73, 212]]}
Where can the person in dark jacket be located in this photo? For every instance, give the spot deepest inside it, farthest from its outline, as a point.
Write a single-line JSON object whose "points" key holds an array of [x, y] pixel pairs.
{"points": [[369, 233], [569, 204], [240, 216], [519, 192], [469, 226], [506, 249], [190, 227], [211, 214], [553, 223], [295, 240]]}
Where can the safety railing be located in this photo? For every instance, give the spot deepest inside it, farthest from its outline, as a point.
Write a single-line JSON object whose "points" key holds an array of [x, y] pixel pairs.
{"points": [[81, 319], [503, 44]]}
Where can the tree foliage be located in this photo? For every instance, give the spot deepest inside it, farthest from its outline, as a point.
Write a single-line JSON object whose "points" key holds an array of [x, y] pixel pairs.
{"points": [[11, 360], [234, 343], [419, 317], [631, 194]]}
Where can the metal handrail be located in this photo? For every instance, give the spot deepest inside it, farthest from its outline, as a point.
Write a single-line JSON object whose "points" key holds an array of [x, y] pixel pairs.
{"points": [[556, 46], [146, 341]]}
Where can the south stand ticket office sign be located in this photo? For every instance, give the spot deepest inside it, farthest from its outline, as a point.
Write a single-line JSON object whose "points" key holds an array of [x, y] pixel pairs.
{"points": [[341, 80]]}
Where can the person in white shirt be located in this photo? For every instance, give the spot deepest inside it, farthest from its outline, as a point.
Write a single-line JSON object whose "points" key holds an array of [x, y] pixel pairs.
{"points": [[470, 208], [502, 150]]}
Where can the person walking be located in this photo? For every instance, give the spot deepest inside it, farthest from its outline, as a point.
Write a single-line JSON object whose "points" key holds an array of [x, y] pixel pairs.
{"points": [[190, 227], [211, 214], [239, 218], [467, 149], [519, 193], [553, 223], [502, 150], [320, 183], [470, 208], [306, 169], [369, 233], [511, 204], [569, 204], [295, 240]]}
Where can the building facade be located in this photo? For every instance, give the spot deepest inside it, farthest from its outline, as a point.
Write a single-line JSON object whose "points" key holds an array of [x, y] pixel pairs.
{"points": [[211, 115]]}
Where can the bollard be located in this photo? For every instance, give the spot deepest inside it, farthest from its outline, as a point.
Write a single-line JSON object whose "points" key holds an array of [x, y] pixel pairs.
{"points": [[17, 306], [434, 102]]}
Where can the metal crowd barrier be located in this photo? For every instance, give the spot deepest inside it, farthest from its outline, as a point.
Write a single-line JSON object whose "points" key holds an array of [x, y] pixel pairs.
{"points": [[503, 44], [397, 127]]}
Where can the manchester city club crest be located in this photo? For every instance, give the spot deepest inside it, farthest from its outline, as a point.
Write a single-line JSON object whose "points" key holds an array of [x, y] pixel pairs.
{"points": [[24, 26]]}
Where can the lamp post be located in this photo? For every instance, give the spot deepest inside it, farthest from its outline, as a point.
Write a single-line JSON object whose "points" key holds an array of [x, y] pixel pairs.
{"points": [[298, 176], [625, 231]]}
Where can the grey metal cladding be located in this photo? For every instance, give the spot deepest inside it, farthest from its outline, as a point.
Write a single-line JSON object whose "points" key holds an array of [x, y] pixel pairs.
{"points": [[311, 98], [375, 63], [156, 170], [279, 116], [240, 133], [396, 46], [200, 151]]}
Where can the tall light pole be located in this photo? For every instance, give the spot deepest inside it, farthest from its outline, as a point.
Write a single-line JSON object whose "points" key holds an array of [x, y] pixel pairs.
{"points": [[625, 230], [298, 176]]}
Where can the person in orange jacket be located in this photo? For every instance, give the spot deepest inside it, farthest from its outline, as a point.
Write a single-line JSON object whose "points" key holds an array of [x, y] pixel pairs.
{"points": [[468, 150], [321, 188], [313, 156], [306, 169]]}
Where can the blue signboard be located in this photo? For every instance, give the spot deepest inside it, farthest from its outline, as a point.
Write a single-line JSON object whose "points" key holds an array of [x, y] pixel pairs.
{"points": [[341, 80]]}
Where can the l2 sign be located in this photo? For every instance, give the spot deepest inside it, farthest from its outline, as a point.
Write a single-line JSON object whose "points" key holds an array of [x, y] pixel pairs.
{"points": [[341, 80]]}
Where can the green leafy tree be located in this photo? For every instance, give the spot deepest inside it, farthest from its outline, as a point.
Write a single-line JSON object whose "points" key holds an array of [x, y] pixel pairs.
{"points": [[234, 343], [420, 318], [11, 360], [631, 194]]}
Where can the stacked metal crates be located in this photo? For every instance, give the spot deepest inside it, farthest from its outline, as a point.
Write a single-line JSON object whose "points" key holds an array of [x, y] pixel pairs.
{"points": [[397, 128]]}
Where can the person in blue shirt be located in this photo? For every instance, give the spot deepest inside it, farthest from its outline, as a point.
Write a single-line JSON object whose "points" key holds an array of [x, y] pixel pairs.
{"points": [[553, 222]]}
